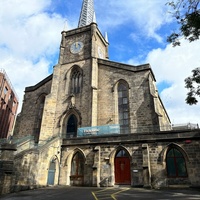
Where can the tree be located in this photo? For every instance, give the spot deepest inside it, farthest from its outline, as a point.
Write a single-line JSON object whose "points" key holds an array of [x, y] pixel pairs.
{"points": [[193, 84], [187, 15]]}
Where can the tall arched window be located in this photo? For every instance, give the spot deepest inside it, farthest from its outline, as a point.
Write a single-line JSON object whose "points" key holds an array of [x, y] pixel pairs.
{"points": [[38, 122], [76, 81], [72, 126], [77, 169], [123, 108], [176, 166]]}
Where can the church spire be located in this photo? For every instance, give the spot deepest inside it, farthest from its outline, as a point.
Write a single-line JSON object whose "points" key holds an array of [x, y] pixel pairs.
{"points": [[87, 13]]}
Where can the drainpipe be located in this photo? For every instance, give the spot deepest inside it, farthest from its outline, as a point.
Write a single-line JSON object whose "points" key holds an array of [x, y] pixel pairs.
{"points": [[146, 166]]}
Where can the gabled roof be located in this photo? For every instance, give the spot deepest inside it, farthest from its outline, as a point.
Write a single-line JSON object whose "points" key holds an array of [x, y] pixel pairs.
{"points": [[133, 68], [35, 87]]}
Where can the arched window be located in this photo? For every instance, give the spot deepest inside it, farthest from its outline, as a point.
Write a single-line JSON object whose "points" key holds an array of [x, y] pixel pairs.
{"points": [[123, 108], [122, 153], [76, 81], [77, 166], [72, 126], [176, 166]]}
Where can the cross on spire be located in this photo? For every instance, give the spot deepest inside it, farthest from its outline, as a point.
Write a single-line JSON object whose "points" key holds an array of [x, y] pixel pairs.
{"points": [[87, 13]]}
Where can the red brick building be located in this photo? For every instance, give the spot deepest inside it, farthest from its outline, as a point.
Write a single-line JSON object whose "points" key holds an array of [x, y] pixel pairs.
{"points": [[8, 105]]}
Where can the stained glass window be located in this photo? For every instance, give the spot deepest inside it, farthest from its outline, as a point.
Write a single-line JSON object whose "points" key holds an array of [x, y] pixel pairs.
{"points": [[176, 166]]}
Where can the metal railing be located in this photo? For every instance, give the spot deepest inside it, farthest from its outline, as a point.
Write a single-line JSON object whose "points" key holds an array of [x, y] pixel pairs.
{"points": [[188, 126]]}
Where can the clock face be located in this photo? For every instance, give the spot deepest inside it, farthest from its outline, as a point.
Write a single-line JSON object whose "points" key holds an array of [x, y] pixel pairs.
{"points": [[100, 52], [76, 47]]}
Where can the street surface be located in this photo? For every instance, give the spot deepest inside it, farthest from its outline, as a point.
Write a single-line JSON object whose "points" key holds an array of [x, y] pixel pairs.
{"points": [[90, 193]]}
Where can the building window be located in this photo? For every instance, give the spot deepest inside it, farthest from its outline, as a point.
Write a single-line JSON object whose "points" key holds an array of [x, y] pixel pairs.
{"points": [[123, 108], [76, 81], [176, 166], [10, 97], [77, 167], [122, 153], [5, 90], [72, 126]]}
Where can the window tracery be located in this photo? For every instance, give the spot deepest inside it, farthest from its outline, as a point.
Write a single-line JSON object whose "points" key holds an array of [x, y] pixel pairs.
{"points": [[176, 165], [76, 81], [123, 108]]}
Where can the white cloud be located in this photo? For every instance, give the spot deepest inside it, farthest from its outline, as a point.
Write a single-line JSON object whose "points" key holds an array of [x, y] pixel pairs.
{"points": [[29, 39], [148, 16], [173, 65]]}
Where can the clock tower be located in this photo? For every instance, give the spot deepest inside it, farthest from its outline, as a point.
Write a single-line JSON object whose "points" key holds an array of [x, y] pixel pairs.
{"points": [[86, 41], [74, 89]]}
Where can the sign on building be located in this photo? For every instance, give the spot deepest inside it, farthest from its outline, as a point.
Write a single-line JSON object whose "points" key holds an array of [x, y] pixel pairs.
{"points": [[99, 130]]}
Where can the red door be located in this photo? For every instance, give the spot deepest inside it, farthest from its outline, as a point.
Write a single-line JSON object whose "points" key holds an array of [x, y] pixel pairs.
{"points": [[122, 171]]}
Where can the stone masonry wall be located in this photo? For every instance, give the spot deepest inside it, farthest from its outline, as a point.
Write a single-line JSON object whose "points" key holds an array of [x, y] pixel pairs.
{"points": [[142, 113], [25, 123], [147, 156]]}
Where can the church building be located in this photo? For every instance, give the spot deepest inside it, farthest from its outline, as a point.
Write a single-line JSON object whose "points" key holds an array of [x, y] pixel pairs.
{"points": [[97, 122]]}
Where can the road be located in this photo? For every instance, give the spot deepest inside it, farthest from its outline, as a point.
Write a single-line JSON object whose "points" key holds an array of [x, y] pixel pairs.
{"points": [[88, 193]]}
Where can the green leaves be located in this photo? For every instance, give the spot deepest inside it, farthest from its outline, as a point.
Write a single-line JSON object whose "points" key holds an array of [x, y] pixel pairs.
{"points": [[187, 15], [192, 84]]}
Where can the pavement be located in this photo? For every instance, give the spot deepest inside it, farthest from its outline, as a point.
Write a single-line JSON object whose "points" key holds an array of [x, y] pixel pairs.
{"points": [[92, 193]]}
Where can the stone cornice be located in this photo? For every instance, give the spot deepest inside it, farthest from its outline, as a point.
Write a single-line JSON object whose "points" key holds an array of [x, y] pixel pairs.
{"points": [[164, 136]]}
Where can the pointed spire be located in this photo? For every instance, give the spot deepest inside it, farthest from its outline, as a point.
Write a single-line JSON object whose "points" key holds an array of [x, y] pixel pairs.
{"points": [[87, 13], [94, 18], [106, 37], [65, 26]]}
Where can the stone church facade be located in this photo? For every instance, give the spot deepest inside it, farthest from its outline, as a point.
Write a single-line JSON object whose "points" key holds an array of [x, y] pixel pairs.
{"points": [[96, 122]]}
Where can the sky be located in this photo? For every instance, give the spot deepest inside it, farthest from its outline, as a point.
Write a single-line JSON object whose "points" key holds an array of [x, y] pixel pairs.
{"points": [[30, 35]]}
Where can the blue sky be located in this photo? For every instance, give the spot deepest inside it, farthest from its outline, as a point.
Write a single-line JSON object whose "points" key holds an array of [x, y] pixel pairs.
{"points": [[137, 30]]}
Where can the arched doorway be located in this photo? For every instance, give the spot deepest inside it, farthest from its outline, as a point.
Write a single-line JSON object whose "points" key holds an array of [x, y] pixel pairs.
{"points": [[122, 168], [51, 172], [77, 169], [72, 126]]}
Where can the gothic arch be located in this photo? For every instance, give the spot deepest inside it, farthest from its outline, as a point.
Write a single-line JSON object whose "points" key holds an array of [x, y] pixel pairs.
{"points": [[71, 154], [40, 101], [113, 153], [53, 171], [112, 160], [114, 88], [41, 95], [176, 161], [68, 161], [73, 80], [68, 73], [62, 123], [164, 152], [115, 97]]}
